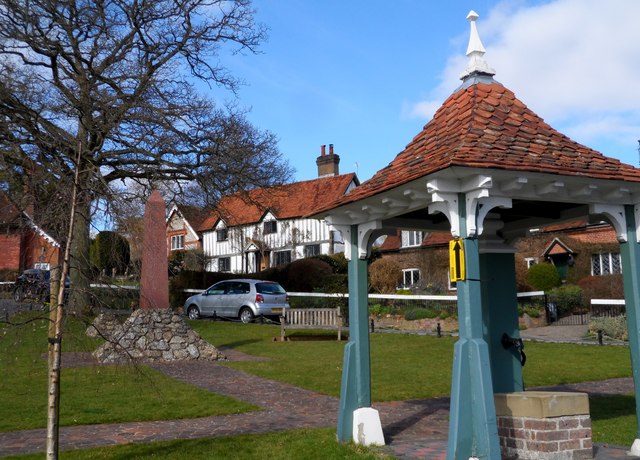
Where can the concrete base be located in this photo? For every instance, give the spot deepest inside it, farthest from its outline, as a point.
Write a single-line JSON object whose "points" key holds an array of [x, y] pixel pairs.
{"points": [[635, 448], [367, 429]]}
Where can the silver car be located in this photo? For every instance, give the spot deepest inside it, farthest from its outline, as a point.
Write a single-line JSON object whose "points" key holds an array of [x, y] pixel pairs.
{"points": [[241, 298]]}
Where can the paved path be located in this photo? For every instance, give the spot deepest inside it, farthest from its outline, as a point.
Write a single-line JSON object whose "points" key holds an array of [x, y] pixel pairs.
{"points": [[413, 429]]}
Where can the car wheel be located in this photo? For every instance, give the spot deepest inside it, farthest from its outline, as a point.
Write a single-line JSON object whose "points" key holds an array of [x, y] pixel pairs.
{"points": [[246, 315], [193, 312], [18, 294]]}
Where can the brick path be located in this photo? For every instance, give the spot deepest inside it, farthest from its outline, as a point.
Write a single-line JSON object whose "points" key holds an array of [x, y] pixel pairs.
{"points": [[413, 429]]}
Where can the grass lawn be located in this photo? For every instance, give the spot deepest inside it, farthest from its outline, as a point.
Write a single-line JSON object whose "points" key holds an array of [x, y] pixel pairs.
{"points": [[403, 367], [291, 445], [101, 394]]}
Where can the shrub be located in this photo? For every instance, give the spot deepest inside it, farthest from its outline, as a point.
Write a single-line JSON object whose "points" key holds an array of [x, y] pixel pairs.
{"points": [[420, 313], [543, 277], [305, 275], [384, 276], [109, 251], [602, 287], [614, 327], [338, 262], [567, 298]]}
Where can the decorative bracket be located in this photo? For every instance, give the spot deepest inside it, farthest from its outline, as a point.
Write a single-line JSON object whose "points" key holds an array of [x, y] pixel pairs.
{"points": [[365, 233], [615, 216]]}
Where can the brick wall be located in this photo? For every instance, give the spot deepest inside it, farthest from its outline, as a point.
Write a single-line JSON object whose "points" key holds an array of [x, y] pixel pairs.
{"points": [[10, 251], [554, 438]]}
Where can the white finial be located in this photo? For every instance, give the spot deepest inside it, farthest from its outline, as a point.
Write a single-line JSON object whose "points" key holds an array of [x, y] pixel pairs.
{"points": [[475, 51]]}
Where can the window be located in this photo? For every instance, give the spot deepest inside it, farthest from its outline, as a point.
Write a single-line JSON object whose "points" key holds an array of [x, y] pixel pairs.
{"points": [[177, 242], [222, 234], [281, 258], [224, 264], [270, 226], [311, 250], [411, 239], [530, 261], [605, 264], [410, 276]]}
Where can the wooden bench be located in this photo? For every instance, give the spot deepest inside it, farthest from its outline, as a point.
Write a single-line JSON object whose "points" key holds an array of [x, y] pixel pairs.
{"points": [[310, 318]]}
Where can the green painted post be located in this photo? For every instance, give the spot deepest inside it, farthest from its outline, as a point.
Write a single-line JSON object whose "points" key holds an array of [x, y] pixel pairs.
{"points": [[630, 252], [473, 429], [500, 315], [355, 391]]}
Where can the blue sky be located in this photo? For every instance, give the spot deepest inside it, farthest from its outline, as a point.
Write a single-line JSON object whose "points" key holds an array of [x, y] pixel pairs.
{"points": [[366, 76]]}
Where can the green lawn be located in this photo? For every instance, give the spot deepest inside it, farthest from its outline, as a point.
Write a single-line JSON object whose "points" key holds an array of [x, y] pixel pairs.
{"points": [[315, 444], [403, 367], [101, 394]]}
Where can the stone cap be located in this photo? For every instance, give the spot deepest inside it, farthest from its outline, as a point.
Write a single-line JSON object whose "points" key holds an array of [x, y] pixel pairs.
{"points": [[541, 404]]}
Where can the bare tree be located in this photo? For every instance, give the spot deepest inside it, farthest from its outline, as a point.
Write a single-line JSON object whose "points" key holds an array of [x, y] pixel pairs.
{"points": [[106, 87], [94, 93]]}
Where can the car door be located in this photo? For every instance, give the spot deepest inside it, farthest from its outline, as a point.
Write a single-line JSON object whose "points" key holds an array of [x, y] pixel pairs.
{"points": [[212, 299], [235, 297]]}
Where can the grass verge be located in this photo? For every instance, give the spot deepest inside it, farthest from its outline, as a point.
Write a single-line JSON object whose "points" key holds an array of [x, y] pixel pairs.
{"points": [[291, 445], [89, 395]]}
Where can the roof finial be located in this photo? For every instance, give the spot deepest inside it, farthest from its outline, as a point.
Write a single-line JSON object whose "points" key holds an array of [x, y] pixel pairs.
{"points": [[475, 52]]}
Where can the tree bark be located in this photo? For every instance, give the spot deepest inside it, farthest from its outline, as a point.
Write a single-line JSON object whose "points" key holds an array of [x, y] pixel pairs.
{"points": [[80, 265]]}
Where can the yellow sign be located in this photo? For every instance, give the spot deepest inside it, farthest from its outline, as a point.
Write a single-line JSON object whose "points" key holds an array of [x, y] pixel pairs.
{"points": [[456, 260]]}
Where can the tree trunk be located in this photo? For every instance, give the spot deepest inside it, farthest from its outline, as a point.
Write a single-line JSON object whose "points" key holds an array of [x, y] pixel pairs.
{"points": [[55, 331], [80, 265]]}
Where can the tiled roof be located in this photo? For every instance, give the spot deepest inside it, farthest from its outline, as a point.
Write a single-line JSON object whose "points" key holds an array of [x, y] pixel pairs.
{"points": [[194, 215], [486, 126], [286, 201]]}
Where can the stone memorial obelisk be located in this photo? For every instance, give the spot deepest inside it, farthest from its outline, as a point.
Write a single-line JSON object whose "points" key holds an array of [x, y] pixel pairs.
{"points": [[154, 279]]}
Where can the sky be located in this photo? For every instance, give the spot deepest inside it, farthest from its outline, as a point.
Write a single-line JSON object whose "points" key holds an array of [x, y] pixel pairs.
{"points": [[367, 75]]}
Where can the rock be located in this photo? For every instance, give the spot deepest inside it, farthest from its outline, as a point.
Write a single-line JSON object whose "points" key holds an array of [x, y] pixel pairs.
{"points": [[150, 335]]}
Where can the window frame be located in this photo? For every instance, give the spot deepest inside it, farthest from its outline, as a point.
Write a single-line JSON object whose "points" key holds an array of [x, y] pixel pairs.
{"points": [[312, 250], [222, 234], [224, 262], [177, 242], [277, 256], [269, 227], [413, 238], [411, 272], [608, 263]]}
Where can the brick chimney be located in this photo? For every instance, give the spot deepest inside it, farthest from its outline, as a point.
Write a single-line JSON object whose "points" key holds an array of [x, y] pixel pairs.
{"points": [[328, 165]]}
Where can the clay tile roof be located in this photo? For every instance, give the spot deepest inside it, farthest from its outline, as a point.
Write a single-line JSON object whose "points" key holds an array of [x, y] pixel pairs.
{"points": [[286, 201], [194, 215], [486, 126]]}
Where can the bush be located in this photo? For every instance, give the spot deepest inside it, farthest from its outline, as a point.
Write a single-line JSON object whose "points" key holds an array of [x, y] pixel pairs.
{"points": [[614, 327], [305, 275], [338, 262], [567, 298], [384, 276], [601, 287], [543, 277], [421, 313]]}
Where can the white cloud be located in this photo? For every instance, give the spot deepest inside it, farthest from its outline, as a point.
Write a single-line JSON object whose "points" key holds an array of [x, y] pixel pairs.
{"points": [[576, 63]]}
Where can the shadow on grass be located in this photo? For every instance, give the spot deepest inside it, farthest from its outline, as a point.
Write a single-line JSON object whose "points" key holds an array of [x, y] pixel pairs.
{"points": [[611, 406]]}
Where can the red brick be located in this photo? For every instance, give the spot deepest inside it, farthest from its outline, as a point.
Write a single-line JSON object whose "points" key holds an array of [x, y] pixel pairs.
{"points": [[570, 445], [540, 446], [540, 424], [555, 435], [568, 423], [580, 434]]}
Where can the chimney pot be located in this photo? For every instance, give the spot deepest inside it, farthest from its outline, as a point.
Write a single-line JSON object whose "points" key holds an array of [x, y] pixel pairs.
{"points": [[323, 150], [330, 149]]}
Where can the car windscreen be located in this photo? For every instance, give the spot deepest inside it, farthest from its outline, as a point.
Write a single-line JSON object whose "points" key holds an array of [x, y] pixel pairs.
{"points": [[270, 288]]}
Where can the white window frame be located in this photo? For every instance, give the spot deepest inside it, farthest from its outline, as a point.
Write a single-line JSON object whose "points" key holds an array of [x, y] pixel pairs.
{"points": [[412, 274], [530, 261], [411, 238], [311, 250], [177, 242], [606, 264]]}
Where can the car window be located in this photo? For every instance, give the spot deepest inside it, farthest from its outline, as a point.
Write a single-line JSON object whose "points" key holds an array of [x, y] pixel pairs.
{"points": [[270, 288], [217, 289], [239, 288]]}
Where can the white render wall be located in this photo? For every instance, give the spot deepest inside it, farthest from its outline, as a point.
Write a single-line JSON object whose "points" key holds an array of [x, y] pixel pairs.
{"points": [[292, 234]]}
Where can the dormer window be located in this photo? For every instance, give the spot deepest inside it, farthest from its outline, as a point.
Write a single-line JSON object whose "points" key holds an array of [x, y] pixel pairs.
{"points": [[270, 226], [222, 234], [411, 238]]}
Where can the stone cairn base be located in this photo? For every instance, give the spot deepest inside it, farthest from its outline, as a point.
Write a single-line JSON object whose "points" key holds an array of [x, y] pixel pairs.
{"points": [[148, 336]]}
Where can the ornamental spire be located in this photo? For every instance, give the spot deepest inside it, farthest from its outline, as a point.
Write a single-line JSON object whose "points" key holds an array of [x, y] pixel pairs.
{"points": [[475, 51]]}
